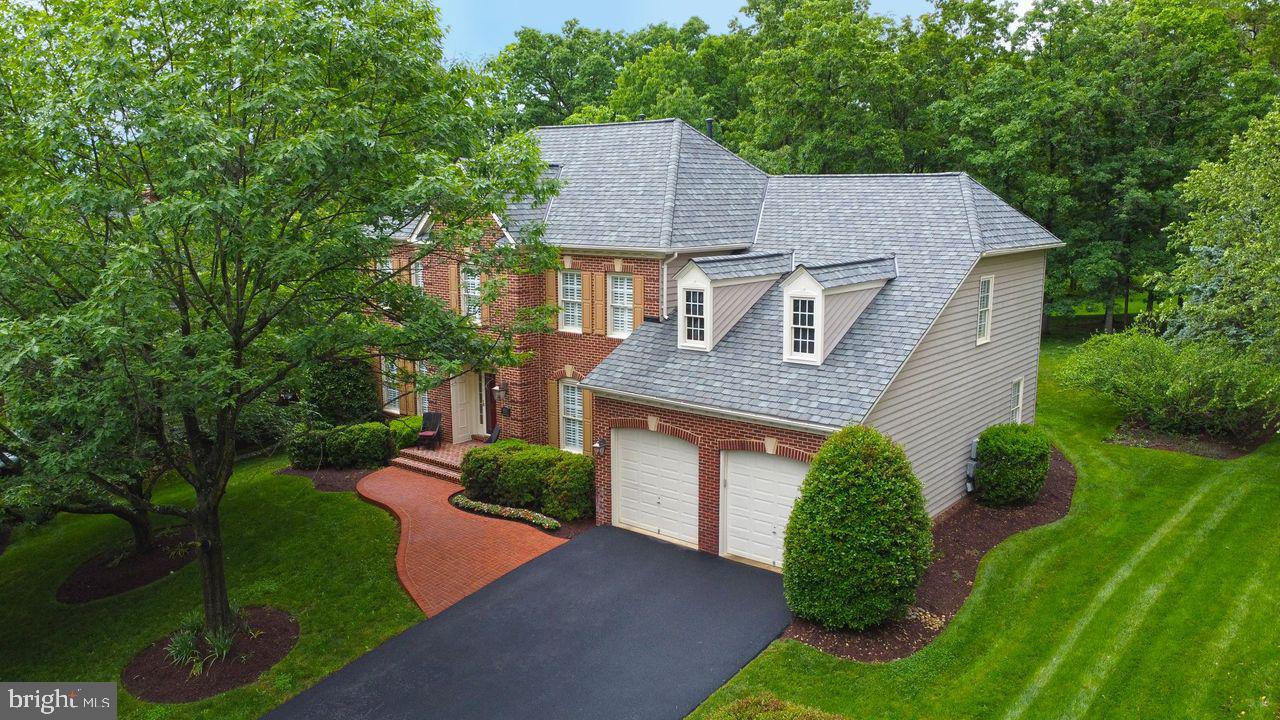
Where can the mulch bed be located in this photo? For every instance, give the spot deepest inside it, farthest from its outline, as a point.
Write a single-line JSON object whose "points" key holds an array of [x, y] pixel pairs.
{"points": [[1137, 434], [571, 530], [150, 676], [330, 479], [960, 540], [117, 571]]}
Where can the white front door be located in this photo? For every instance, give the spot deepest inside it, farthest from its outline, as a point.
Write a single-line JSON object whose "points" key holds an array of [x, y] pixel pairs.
{"points": [[759, 490], [655, 484], [465, 405]]}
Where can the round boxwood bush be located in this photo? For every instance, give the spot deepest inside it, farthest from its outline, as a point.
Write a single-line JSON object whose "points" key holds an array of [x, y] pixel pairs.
{"points": [[481, 466], [570, 490], [859, 539], [523, 476], [359, 446], [1013, 462]]}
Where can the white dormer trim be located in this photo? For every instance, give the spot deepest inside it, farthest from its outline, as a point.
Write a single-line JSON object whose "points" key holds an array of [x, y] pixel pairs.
{"points": [[800, 285], [692, 278]]}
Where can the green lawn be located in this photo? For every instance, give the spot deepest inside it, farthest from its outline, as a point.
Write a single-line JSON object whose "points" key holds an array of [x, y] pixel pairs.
{"points": [[1158, 596], [326, 558]]}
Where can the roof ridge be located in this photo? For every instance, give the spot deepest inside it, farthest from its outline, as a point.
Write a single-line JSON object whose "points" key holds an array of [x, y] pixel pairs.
{"points": [[970, 212], [703, 136], [669, 200], [880, 258], [949, 173], [742, 256], [604, 124]]}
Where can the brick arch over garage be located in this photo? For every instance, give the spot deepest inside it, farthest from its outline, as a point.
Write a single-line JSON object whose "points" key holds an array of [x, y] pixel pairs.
{"points": [[710, 435]]}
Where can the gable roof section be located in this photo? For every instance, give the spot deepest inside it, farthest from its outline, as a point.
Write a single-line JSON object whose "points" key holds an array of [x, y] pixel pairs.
{"points": [[853, 272], [732, 267], [655, 185], [934, 226]]}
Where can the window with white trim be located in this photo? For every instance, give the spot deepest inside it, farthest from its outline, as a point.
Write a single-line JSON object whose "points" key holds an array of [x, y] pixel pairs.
{"points": [[470, 282], [421, 386], [390, 388], [571, 300], [1015, 402], [572, 429], [384, 265], [621, 299], [804, 327], [415, 273], [695, 316], [986, 297]]}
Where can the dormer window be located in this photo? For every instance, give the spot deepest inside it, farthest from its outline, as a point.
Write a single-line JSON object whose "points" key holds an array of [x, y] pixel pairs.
{"points": [[695, 317], [804, 327]]}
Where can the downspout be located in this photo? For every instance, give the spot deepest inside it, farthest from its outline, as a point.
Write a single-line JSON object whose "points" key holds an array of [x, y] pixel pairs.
{"points": [[663, 284]]}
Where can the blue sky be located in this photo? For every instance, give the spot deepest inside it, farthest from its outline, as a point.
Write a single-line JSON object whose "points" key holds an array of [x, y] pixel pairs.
{"points": [[480, 28]]}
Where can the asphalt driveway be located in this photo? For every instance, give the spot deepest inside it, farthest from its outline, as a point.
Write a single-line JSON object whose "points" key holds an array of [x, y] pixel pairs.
{"points": [[610, 625]]}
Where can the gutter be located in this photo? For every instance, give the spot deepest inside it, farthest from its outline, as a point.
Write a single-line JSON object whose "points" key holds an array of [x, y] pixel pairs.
{"points": [[813, 428]]}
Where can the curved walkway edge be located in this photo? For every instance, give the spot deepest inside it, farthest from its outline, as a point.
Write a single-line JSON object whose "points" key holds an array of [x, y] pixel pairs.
{"points": [[445, 554]]}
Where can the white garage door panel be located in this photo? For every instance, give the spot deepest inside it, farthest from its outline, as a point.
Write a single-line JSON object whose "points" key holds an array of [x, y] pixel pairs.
{"points": [[761, 490], [655, 484]]}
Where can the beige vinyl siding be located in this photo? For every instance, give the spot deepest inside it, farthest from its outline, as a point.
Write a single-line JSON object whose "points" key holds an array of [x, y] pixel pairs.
{"points": [[672, 302], [951, 388], [732, 302], [842, 309]]}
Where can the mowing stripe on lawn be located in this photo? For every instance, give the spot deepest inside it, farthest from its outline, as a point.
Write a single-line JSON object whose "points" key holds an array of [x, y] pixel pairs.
{"points": [[1137, 613], [1230, 627], [1047, 670]]}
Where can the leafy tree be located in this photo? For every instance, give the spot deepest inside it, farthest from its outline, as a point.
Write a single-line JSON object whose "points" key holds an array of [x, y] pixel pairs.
{"points": [[195, 197], [664, 82], [1229, 245]]}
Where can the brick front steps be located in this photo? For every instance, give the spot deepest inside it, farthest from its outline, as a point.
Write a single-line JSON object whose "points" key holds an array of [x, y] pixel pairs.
{"points": [[442, 463]]}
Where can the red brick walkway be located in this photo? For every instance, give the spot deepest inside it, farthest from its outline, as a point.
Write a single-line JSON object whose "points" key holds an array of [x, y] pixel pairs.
{"points": [[446, 554]]}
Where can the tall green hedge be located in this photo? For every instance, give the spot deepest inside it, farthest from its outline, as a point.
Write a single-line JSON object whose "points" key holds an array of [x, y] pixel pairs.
{"points": [[859, 539], [482, 465], [515, 474], [343, 391], [1013, 462]]}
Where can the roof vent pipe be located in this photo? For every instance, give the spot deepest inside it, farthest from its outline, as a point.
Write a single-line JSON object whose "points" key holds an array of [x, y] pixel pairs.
{"points": [[711, 126], [641, 117]]}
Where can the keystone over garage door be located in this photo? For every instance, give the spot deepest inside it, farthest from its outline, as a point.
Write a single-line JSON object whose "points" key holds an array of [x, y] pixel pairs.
{"points": [[655, 484], [759, 492]]}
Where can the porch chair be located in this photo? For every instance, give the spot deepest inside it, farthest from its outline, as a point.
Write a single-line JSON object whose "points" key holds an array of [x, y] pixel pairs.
{"points": [[493, 436], [430, 435]]}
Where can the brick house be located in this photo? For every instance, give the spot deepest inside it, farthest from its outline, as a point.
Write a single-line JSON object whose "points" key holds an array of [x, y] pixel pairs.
{"points": [[717, 323]]}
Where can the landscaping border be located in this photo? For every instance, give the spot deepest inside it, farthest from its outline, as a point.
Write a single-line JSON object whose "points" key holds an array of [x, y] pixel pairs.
{"points": [[528, 517]]}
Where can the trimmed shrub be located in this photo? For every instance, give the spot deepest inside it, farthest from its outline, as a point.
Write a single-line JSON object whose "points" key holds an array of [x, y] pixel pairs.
{"points": [[481, 466], [1013, 462], [306, 446], [343, 391], [538, 520], [405, 431], [570, 491], [523, 476], [859, 539], [264, 424], [359, 446], [1188, 387]]}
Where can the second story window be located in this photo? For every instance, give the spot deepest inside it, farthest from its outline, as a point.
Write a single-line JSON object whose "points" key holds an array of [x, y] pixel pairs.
{"points": [[415, 273], [621, 299], [571, 301], [804, 328], [384, 265], [695, 318], [471, 294], [986, 292]]}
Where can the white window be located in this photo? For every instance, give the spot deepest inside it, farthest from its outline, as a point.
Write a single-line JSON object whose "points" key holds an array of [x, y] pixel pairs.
{"points": [[415, 273], [471, 294], [572, 430], [384, 265], [804, 327], [421, 386], [986, 293], [695, 316], [390, 388], [571, 300], [620, 305], [1015, 415]]}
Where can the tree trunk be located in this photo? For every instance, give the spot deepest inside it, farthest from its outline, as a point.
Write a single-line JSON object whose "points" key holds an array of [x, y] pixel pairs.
{"points": [[1126, 302], [1151, 300], [1109, 323], [143, 539], [213, 575]]}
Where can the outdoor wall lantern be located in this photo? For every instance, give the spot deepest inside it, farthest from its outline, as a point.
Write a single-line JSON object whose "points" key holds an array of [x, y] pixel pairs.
{"points": [[600, 446], [500, 393]]}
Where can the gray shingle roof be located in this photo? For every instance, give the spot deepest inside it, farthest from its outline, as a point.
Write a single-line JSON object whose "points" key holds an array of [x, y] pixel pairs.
{"points": [[728, 267], [854, 272], [658, 185], [934, 226]]}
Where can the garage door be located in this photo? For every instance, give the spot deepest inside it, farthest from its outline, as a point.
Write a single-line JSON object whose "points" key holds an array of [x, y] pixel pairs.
{"points": [[655, 484], [760, 490]]}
